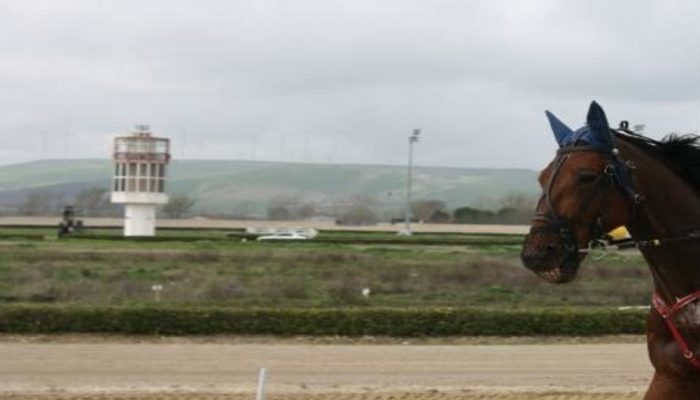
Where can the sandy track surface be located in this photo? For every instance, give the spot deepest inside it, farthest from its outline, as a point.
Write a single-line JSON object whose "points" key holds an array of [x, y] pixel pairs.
{"points": [[201, 371], [427, 395]]}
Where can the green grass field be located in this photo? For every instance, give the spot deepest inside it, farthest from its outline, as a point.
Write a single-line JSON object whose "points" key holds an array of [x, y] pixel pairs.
{"points": [[211, 269]]}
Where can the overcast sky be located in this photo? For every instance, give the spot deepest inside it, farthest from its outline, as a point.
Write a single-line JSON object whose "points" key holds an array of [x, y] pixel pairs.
{"points": [[340, 81]]}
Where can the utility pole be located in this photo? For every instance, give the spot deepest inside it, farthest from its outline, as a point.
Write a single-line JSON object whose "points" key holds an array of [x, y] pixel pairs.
{"points": [[411, 140]]}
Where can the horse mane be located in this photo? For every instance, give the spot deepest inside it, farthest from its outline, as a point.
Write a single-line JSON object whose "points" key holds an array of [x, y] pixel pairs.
{"points": [[679, 152]]}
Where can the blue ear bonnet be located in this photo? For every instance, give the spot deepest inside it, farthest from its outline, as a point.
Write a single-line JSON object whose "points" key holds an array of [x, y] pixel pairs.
{"points": [[584, 136], [597, 134]]}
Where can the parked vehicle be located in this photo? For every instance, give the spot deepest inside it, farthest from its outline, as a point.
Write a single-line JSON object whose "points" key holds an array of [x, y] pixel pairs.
{"points": [[284, 236]]}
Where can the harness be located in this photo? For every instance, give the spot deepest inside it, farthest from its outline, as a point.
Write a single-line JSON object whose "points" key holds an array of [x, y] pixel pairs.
{"points": [[667, 312], [617, 172]]}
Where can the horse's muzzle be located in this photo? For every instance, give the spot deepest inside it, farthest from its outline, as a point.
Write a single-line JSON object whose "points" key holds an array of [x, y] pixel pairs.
{"points": [[548, 258]]}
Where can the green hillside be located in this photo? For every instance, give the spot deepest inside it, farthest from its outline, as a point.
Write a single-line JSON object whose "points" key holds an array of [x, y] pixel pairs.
{"points": [[224, 186]]}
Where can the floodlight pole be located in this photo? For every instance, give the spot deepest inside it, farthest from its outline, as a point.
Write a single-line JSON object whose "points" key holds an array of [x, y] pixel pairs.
{"points": [[411, 140]]}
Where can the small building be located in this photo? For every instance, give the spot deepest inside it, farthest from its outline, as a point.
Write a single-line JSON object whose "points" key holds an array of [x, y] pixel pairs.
{"points": [[140, 162]]}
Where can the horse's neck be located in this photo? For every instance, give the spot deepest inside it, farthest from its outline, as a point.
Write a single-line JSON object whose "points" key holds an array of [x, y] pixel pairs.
{"points": [[671, 209]]}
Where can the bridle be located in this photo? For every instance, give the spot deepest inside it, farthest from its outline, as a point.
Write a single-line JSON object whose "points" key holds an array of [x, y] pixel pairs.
{"points": [[616, 173]]}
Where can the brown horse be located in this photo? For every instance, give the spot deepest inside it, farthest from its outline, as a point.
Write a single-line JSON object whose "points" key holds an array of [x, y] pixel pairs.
{"points": [[603, 178]]}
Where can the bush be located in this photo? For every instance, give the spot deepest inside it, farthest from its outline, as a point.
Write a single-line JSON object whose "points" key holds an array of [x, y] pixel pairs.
{"points": [[469, 215], [350, 322]]}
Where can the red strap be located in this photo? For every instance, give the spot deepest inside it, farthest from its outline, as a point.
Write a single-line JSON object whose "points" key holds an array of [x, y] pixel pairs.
{"points": [[667, 313], [682, 302]]}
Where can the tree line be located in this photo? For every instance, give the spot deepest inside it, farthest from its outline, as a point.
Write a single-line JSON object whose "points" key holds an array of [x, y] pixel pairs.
{"points": [[91, 202], [364, 210], [359, 209]]}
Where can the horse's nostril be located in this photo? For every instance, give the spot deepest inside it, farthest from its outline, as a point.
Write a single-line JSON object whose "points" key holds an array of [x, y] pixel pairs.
{"points": [[550, 249]]}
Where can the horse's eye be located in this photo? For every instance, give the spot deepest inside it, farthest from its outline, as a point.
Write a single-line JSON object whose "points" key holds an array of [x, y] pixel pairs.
{"points": [[587, 178]]}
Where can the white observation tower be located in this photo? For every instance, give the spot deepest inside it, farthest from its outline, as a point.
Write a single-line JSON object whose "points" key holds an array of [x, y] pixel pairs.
{"points": [[139, 179]]}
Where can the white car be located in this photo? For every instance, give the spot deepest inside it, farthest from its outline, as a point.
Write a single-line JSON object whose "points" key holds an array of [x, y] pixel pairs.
{"points": [[283, 236]]}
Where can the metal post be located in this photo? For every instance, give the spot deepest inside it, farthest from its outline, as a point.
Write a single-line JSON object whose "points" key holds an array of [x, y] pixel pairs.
{"points": [[411, 139], [262, 383]]}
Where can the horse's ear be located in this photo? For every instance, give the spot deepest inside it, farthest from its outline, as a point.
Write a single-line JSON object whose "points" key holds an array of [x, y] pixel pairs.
{"points": [[598, 124], [561, 132]]}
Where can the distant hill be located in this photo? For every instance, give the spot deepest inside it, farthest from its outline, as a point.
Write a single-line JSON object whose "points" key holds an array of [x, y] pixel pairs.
{"points": [[238, 186]]}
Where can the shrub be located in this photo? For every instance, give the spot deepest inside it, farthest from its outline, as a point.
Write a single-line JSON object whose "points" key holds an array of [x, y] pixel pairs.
{"points": [[346, 321]]}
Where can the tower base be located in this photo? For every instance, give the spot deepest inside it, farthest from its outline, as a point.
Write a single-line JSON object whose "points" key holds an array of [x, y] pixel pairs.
{"points": [[140, 220]]}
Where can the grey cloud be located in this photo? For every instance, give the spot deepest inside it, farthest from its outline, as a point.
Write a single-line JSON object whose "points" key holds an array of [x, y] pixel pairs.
{"points": [[337, 80]]}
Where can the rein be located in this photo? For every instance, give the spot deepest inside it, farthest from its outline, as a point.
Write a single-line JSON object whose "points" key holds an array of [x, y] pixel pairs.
{"points": [[603, 246]]}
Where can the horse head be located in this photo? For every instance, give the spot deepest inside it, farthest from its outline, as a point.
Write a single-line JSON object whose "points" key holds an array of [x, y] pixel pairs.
{"points": [[586, 191]]}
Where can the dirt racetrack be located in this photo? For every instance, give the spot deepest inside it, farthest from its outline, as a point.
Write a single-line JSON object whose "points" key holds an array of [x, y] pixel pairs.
{"points": [[180, 369]]}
